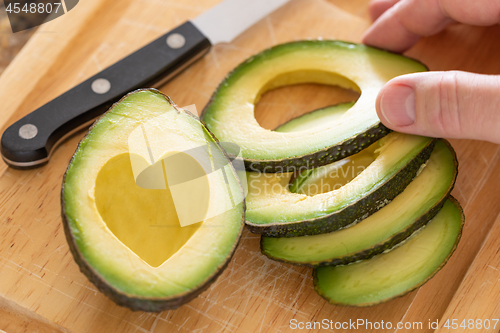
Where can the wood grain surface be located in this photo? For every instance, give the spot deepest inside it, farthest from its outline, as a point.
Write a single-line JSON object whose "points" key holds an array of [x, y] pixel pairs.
{"points": [[41, 285], [10, 44]]}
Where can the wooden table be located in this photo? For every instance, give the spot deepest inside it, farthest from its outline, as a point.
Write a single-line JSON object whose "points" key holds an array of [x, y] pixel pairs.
{"points": [[41, 287]]}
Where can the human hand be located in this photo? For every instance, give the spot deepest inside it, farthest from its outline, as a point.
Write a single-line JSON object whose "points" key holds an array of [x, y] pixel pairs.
{"points": [[440, 104]]}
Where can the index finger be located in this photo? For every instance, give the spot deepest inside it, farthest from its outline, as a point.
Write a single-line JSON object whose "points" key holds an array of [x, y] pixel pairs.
{"points": [[401, 26], [378, 7]]}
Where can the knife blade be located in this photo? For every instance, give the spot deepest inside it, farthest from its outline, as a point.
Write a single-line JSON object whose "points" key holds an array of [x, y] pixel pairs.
{"points": [[29, 142]]}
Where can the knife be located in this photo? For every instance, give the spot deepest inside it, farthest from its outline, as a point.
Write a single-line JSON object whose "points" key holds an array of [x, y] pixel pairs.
{"points": [[30, 141]]}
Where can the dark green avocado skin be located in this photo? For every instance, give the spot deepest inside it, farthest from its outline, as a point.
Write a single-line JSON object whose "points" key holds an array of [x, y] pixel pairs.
{"points": [[353, 212], [391, 242], [322, 157], [134, 303]]}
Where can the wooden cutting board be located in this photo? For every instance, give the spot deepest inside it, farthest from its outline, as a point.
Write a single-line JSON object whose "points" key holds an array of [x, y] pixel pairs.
{"points": [[41, 288]]}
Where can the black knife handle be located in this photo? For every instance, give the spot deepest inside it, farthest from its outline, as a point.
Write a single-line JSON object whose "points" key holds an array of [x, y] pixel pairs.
{"points": [[29, 142]]}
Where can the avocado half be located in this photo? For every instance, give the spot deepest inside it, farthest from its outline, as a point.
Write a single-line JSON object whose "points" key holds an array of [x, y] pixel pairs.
{"points": [[388, 166], [230, 113], [128, 238], [399, 271], [408, 212]]}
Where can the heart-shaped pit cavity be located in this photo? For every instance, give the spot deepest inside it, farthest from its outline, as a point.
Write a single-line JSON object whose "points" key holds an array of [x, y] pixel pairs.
{"points": [[145, 220]]}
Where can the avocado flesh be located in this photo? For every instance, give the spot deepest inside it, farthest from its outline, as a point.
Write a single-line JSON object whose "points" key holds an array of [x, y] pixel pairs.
{"points": [[202, 250], [397, 272], [121, 203], [331, 176], [408, 212], [230, 114], [272, 210], [335, 175], [315, 118]]}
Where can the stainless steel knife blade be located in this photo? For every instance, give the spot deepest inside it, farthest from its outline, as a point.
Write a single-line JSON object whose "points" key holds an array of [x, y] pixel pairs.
{"points": [[233, 17]]}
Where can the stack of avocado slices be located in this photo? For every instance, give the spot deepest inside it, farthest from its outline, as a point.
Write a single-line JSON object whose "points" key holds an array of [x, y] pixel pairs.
{"points": [[383, 255], [334, 189]]}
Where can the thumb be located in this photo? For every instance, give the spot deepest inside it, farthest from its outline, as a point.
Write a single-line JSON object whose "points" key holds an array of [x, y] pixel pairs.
{"points": [[443, 104]]}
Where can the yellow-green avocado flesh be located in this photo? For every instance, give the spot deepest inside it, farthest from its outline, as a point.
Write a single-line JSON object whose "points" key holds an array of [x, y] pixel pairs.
{"points": [[315, 118], [230, 113], [162, 265], [408, 212], [397, 272]]}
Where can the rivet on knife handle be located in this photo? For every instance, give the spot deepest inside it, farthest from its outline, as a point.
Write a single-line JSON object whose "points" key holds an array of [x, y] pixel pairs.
{"points": [[29, 141]]}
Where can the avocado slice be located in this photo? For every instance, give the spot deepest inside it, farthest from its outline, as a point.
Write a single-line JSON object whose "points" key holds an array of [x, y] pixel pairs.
{"points": [[274, 211], [126, 234], [230, 113], [408, 212], [393, 274]]}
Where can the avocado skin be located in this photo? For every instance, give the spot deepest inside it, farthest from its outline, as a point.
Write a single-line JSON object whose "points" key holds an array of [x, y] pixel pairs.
{"points": [[391, 242], [352, 213], [322, 157], [318, 290], [376, 249], [134, 303]]}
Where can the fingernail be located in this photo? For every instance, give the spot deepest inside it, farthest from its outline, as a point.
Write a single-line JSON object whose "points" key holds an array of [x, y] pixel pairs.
{"points": [[398, 105]]}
